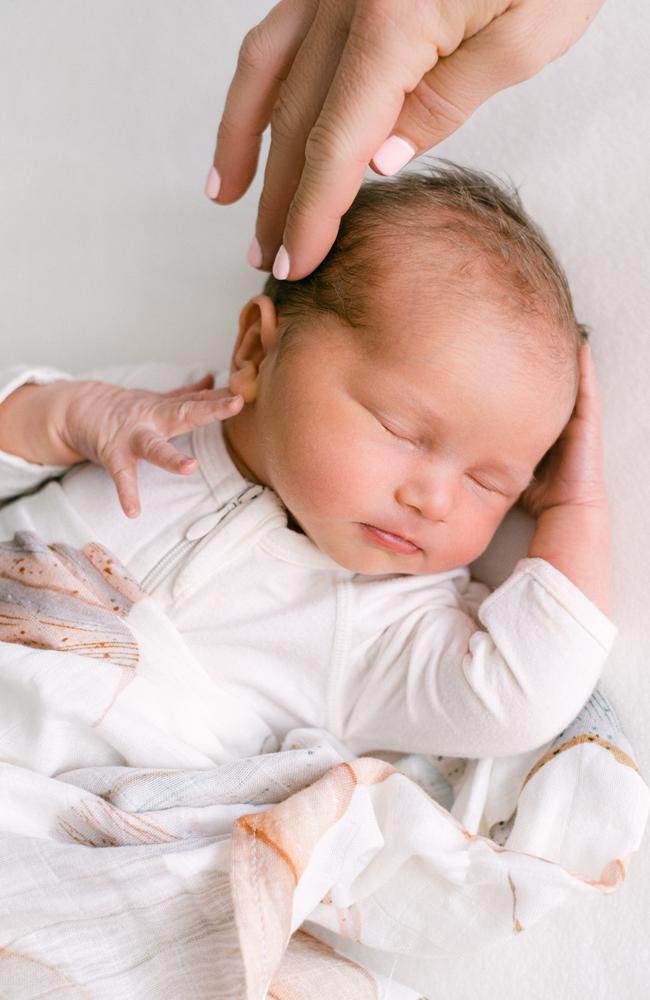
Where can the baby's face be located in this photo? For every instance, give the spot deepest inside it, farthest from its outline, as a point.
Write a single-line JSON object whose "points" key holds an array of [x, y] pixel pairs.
{"points": [[405, 456]]}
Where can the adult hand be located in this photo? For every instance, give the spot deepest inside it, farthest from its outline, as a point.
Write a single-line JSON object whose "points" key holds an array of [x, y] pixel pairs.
{"points": [[569, 498], [347, 83], [571, 473]]}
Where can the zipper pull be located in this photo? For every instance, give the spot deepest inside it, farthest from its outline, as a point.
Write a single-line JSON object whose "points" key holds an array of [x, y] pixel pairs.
{"points": [[206, 523]]}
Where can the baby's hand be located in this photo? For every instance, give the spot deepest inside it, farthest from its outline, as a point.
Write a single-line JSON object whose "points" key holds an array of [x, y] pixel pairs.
{"points": [[116, 427], [571, 472]]}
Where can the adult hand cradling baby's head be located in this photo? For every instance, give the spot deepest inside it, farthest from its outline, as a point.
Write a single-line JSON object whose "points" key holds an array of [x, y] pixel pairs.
{"points": [[571, 472]]}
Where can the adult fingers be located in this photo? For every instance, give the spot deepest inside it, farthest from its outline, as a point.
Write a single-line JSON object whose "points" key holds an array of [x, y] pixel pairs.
{"points": [[299, 102], [379, 64], [503, 42], [265, 58], [446, 96], [511, 48]]}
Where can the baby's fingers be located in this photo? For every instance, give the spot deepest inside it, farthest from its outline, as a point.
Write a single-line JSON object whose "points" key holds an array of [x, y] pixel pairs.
{"points": [[125, 478], [203, 383], [160, 452], [189, 413]]}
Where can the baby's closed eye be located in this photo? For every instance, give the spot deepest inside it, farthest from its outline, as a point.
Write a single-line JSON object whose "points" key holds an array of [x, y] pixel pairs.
{"points": [[490, 487], [385, 425]]}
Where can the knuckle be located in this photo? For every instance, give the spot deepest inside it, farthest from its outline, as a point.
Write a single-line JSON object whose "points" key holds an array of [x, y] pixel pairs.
{"points": [[255, 50], [433, 109], [185, 410], [327, 140], [150, 446], [377, 14], [287, 117], [136, 441], [110, 457]]}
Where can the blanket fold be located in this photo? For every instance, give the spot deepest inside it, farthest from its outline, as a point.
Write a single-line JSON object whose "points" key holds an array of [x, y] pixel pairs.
{"points": [[138, 857]]}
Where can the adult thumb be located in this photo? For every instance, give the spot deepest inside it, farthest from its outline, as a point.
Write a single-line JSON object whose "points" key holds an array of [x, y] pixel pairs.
{"points": [[502, 54]]}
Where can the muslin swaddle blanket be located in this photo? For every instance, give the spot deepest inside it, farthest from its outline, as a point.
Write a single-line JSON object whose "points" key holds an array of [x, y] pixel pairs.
{"points": [[138, 859]]}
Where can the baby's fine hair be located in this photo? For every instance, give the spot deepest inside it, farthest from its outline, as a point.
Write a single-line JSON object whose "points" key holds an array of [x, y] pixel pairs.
{"points": [[449, 224]]}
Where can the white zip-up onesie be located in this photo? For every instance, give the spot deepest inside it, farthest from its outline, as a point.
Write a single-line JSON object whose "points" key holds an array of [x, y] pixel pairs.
{"points": [[431, 664]]}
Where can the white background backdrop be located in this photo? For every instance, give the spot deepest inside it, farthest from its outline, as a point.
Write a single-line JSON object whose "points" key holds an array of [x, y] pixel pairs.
{"points": [[109, 253]]}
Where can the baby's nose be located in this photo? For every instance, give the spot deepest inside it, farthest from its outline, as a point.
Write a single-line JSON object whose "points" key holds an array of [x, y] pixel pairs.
{"points": [[432, 497]]}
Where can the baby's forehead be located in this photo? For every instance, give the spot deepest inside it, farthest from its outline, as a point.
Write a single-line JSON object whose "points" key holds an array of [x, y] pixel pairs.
{"points": [[465, 311], [465, 354]]}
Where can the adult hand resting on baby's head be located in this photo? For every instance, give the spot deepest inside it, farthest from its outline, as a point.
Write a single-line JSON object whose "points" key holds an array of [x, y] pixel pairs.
{"points": [[571, 473], [344, 83], [116, 427]]}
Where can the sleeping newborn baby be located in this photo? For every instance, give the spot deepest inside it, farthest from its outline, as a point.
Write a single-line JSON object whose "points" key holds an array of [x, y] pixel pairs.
{"points": [[379, 419]]}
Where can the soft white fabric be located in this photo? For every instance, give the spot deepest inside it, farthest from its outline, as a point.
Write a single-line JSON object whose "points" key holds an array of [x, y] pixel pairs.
{"points": [[110, 251], [418, 664], [132, 847]]}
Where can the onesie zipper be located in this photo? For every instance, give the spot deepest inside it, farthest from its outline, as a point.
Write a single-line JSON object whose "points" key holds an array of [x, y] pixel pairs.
{"points": [[194, 534]]}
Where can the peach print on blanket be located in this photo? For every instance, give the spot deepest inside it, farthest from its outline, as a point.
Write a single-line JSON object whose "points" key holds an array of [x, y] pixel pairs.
{"points": [[58, 597], [311, 970], [270, 851]]}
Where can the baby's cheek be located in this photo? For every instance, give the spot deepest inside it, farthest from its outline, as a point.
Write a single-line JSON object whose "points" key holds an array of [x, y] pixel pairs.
{"points": [[303, 484], [476, 533]]}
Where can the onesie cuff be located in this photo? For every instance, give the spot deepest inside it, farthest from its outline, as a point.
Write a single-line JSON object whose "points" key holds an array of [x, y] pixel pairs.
{"points": [[587, 614], [22, 375]]}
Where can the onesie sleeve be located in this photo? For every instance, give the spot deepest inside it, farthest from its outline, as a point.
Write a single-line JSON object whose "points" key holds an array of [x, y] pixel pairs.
{"points": [[495, 680], [18, 476]]}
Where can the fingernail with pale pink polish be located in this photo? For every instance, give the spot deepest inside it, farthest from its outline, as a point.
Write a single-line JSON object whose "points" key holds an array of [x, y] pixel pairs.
{"points": [[254, 253], [281, 264], [212, 184], [392, 155]]}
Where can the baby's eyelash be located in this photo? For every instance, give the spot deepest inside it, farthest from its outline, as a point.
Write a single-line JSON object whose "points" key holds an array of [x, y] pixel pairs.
{"points": [[487, 489], [393, 433]]}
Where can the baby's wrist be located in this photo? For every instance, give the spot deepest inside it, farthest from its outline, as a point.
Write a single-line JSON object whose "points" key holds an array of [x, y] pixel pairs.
{"points": [[576, 539], [30, 421], [564, 517], [63, 394]]}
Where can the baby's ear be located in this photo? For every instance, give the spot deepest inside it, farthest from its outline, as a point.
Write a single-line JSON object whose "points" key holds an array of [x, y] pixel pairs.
{"points": [[258, 336]]}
